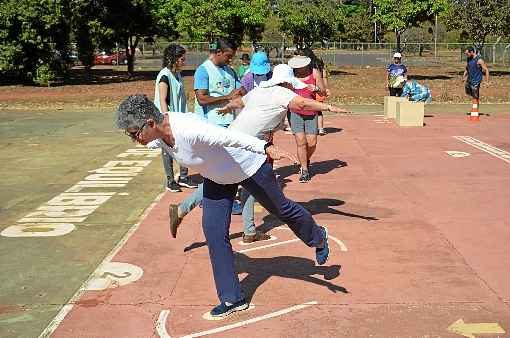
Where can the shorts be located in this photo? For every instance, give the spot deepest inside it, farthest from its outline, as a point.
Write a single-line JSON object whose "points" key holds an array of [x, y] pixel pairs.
{"points": [[472, 90], [396, 91], [307, 124]]}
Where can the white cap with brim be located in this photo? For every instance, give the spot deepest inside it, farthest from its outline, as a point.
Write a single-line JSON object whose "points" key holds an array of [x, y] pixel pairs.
{"points": [[282, 73], [397, 55], [299, 61]]}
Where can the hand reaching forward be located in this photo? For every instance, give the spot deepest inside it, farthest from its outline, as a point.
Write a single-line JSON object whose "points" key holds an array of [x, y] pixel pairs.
{"points": [[276, 154]]}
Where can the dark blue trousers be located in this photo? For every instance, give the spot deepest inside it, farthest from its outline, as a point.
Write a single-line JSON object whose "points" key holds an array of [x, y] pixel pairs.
{"points": [[217, 206]]}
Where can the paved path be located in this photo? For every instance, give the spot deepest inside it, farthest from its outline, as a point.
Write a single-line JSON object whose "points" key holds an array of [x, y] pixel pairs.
{"points": [[422, 243]]}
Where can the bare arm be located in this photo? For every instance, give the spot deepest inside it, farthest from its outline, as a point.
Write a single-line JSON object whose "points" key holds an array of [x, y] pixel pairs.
{"points": [[465, 76], [301, 103], [163, 93], [204, 99], [320, 82], [485, 69], [387, 81], [236, 103]]}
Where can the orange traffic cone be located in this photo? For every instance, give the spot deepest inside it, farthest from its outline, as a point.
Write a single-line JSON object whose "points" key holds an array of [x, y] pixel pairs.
{"points": [[474, 116]]}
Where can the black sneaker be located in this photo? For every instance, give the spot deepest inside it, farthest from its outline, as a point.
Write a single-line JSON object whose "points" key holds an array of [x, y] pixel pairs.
{"points": [[225, 309], [187, 183], [173, 187], [304, 176]]}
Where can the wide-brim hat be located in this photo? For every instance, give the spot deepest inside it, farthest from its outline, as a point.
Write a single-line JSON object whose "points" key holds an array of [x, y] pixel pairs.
{"points": [[259, 64], [299, 61], [282, 73]]}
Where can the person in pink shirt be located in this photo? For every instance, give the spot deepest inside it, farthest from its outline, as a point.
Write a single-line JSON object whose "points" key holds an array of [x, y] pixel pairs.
{"points": [[303, 123]]}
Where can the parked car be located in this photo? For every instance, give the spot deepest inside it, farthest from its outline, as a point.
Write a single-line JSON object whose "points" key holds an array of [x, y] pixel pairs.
{"points": [[105, 58]]}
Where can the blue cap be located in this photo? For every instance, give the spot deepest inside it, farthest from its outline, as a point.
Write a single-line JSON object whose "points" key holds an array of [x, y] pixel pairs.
{"points": [[259, 64]]}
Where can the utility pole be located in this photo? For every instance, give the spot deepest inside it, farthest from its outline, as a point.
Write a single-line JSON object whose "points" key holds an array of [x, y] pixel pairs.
{"points": [[435, 37], [375, 26]]}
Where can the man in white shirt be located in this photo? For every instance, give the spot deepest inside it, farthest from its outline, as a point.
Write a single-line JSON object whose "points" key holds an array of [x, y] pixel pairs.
{"points": [[225, 159]]}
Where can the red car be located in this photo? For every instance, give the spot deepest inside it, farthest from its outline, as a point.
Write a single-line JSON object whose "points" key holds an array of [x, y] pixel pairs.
{"points": [[110, 59]]}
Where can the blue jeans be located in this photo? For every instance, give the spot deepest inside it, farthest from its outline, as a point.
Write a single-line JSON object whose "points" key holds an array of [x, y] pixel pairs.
{"points": [[217, 204], [195, 198], [192, 200], [248, 212], [168, 164]]}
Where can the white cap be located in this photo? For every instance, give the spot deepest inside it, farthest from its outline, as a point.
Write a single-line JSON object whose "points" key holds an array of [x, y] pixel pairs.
{"points": [[282, 73], [299, 61], [397, 55]]}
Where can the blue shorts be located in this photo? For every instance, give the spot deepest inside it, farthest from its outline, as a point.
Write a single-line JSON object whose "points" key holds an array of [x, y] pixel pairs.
{"points": [[307, 124]]}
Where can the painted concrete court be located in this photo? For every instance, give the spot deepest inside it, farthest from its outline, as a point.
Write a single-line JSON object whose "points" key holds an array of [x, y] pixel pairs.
{"points": [[420, 218]]}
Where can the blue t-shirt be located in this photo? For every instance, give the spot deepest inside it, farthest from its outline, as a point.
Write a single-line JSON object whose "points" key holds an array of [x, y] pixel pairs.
{"points": [[202, 78], [397, 70]]}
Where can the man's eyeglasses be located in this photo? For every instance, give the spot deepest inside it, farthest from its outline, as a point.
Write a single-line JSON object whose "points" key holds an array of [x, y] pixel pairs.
{"points": [[135, 134]]}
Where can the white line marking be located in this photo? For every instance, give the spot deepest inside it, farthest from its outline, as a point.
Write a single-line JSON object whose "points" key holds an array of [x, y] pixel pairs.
{"points": [[269, 245], [161, 324], [343, 247], [162, 332], [454, 153], [496, 152], [52, 326]]}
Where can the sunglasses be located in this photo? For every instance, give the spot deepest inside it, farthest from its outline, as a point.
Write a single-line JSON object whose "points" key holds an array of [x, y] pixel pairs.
{"points": [[134, 135]]}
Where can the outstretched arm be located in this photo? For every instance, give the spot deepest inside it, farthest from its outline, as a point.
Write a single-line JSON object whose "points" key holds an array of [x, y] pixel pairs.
{"points": [[301, 103], [236, 103]]}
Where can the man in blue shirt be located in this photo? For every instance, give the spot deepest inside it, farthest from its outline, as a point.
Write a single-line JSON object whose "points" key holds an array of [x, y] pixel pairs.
{"points": [[473, 74], [216, 83], [396, 74]]}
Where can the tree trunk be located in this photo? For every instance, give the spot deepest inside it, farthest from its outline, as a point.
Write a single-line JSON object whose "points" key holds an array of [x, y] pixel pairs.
{"points": [[397, 35]]}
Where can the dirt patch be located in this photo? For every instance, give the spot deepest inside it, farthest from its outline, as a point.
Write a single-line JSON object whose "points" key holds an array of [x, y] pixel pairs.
{"points": [[106, 88]]}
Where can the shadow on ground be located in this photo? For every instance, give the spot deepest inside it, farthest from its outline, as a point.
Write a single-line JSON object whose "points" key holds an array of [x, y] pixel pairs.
{"points": [[259, 270], [315, 207]]}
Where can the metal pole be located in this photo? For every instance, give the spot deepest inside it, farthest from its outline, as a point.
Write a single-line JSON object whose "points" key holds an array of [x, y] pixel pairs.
{"points": [[375, 25], [435, 39]]}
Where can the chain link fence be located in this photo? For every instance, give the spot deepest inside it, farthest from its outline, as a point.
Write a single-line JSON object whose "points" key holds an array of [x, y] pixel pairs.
{"points": [[346, 54]]}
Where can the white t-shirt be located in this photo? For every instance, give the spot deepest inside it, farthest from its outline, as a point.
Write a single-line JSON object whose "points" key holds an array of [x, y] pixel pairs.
{"points": [[264, 110], [223, 156]]}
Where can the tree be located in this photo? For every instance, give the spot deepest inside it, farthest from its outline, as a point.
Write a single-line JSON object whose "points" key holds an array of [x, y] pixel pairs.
{"points": [[127, 22], [34, 37], [206, 19], [356, 23], [400, 15], [479, 19], [86, 29], [308, 21]]}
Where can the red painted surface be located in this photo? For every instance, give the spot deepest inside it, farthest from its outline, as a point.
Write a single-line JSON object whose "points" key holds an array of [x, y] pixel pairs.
{"points": [[437, 250]]}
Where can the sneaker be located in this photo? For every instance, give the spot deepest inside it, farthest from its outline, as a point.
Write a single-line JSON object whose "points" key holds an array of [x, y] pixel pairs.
{"points": [[322, 254], [225, 309], [304, 176], [187, 183], [173, 187], [322, 132], [237, 208], [174, 219], [257, 236]]}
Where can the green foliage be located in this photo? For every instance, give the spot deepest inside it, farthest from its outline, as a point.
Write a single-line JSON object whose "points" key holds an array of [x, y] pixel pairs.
{"points": [[356, 24], [399, 15], [309, 20], [33, 32], [44, 75], [476, 20], [206, 19]]}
